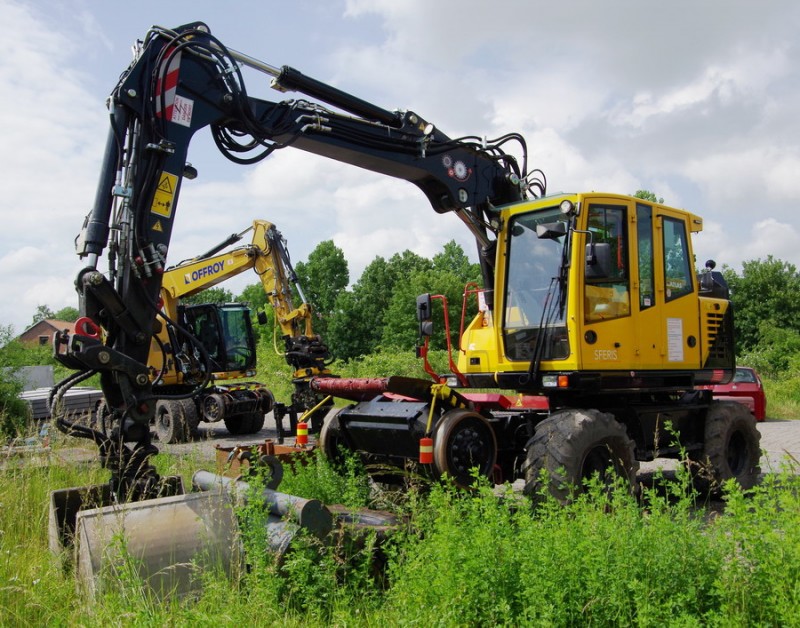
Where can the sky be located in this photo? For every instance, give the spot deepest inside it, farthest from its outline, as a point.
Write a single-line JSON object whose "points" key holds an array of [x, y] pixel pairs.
{"points": [[696, 101]]}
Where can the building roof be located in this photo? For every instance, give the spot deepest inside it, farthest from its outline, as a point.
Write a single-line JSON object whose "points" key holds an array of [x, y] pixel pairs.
{"points": [[45, 327], [52, 322]]}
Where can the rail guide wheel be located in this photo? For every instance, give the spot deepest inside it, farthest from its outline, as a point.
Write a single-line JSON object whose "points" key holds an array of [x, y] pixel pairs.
{"points": [[464, 441]]}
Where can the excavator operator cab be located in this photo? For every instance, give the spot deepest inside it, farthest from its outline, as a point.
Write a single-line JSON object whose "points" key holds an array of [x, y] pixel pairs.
{"points": [[226, 333], [594, 288]]}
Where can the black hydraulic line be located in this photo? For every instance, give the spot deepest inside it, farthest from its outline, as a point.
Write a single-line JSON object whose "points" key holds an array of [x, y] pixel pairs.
{"points": [[203, 354], [163, 349]]}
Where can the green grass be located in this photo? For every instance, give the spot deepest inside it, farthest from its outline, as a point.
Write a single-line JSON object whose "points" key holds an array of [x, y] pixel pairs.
{"points": [[481, 558], [783, 397]]}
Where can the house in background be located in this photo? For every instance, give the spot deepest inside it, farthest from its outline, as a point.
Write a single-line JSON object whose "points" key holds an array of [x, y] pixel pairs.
{"points": [[42, 332]]}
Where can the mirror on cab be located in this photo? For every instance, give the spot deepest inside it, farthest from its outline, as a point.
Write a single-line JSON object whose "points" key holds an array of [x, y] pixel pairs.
{"points": [[424, 315]]}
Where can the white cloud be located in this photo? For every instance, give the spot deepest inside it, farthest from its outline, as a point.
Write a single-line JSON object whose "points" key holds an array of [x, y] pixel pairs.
{"points": [[764, 177], [52, 132], [771, 237], [745, 76], [739, 241]]}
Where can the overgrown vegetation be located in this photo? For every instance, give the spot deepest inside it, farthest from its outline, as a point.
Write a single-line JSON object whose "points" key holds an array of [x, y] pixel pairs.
{"points": [[459, 559]]}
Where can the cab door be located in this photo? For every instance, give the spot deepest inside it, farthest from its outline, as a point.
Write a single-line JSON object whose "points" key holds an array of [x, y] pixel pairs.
{"points": [[676, 290], [608, 330], [664, 294], [647, 297]]}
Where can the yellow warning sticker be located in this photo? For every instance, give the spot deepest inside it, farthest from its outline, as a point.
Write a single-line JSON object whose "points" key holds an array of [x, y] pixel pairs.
{"points": [[157, 226], [165, 193]]}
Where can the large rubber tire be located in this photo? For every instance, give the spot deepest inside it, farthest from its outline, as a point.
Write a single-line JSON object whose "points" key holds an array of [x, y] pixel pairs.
{"points": [[238, 424], [256, 422], [572, 446], [732, 446], [170, 421], [464, 441], [213, 407], [249, 423], [192, 417]]}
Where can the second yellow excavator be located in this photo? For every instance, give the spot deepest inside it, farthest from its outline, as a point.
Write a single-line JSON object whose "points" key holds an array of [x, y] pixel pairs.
{"points": [[199, 348]]}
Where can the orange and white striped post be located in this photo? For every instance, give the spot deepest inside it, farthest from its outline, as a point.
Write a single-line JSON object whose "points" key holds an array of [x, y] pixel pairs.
{"points": [[426, 450], [302, 433]]}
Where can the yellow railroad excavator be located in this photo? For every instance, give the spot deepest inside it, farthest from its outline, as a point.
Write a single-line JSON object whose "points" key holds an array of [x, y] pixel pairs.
{"points": [[199, 348], [594, 331]]}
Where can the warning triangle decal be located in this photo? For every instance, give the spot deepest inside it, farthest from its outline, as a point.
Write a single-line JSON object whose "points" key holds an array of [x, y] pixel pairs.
{"points": [[165, 185], [157, 226]]}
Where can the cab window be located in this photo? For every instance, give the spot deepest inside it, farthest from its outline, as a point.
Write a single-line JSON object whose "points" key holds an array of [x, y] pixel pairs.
{"points": [[606, 291], [644, 229], [677, 269]]}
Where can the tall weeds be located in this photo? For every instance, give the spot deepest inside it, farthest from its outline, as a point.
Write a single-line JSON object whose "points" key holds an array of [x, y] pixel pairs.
{"points": [[480, 558]]}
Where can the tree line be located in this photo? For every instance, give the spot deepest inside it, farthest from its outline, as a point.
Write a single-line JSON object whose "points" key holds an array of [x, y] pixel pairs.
{"points": [[378, 311]]}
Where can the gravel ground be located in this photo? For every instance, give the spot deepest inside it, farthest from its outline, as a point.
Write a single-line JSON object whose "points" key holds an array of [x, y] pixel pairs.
{"points": [[780, 440]]}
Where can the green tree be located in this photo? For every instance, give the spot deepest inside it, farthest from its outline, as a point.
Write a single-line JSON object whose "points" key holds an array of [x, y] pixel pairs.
{"points": [[450, 272], [351, 330], [209, 295], [322, 278], [254, 296], [68, 313], [402, 265], [13, 411], [766, 295], [454, 260], [380, 309], [401, 328], [43, 312], [356, 328], [647, 195], [777, 354]]}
